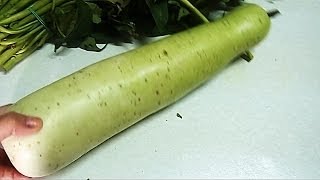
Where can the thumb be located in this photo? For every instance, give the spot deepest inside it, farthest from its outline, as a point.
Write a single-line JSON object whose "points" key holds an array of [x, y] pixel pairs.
{"points": [[4, 109], [13, 123], [9, 173]]}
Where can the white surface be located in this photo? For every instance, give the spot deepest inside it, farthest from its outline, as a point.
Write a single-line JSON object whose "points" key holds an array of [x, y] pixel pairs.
{"points": [[253, 120]]}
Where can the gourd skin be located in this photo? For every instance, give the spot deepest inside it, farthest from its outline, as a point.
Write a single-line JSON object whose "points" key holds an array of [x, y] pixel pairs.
{"points": [[91, 105]]}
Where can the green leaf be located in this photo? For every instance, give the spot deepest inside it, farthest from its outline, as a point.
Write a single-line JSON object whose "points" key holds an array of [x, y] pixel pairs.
{"points": [[96, 12], [90, 44], [160, 14], [78, 28]]}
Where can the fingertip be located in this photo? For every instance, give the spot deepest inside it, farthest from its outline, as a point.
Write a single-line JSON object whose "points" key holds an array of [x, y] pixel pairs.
{"points": [[33, 123], [20, 124]]}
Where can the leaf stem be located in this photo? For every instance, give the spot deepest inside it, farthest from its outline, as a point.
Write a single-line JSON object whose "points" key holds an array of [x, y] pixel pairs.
{"points": [[2, 48], [37, 5], [14, 60], [247, 55], [3, 35], [3, 3], [28, 45], [6, 55], [17, 7], [9, 5], [10, 31], [39, 11], [194, 10], [22, 38], [12, 25]]}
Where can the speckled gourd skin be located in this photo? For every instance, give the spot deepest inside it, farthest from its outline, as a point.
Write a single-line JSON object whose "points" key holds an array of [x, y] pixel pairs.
{"points": [[86, 108]]}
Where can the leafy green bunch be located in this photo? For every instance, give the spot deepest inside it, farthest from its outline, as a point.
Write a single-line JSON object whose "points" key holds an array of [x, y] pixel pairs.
{"points": [[27, 25]]}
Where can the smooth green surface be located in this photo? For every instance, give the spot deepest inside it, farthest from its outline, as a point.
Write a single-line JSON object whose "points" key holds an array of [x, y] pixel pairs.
{"points": [[86, 108]]}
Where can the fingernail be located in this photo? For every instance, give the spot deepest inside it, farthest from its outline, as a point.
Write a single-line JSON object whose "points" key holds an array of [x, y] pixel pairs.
{"points": [[31, 122]]}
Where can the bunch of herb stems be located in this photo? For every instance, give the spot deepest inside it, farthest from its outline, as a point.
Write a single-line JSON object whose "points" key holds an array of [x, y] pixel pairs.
{"points": [[21, 29]]}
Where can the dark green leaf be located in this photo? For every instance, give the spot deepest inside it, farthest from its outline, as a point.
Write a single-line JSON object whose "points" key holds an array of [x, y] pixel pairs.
{"points": [[96, 12], [159, 11], [86, 23], [78, 28], [90, 44]]}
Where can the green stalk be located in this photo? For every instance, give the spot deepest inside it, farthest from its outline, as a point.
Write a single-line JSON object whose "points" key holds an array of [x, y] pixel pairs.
{"points": [[194, 10], [13, 61], [12, 25], [19, 6], [71, 2], [6, 55], [39, 19], [42, 34], [9, 5], [53, 5], [40, 11], [22, 38], [10, 31], [3, 3], [3, 35], [22, 14], [247, 55], [2, 48], [16, 59]]}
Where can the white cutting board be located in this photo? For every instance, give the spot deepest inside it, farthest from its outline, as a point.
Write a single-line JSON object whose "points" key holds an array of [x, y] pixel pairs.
{"points": [[254, 120]]}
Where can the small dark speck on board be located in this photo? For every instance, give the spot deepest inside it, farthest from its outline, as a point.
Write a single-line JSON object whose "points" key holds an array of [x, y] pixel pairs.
{"points": [[179, 116]]}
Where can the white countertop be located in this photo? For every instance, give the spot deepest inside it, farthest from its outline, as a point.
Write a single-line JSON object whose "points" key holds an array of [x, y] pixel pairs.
{"points": [[254, 120]]}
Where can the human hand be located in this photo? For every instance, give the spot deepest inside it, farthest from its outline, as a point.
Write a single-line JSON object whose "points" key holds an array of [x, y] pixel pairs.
{"points": [[12, 123]]}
